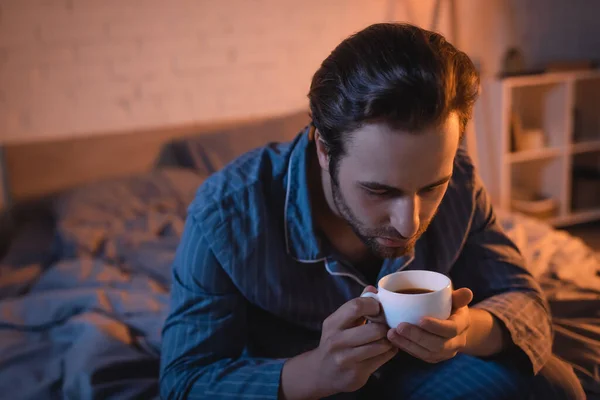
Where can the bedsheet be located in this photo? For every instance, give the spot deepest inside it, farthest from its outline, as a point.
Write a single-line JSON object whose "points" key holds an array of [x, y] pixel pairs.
{"points": [[569, 273], [81, 316], [553, 252], [86, 327]]}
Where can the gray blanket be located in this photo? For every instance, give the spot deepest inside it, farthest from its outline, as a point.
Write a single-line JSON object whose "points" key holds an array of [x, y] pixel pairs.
{"points": [[569, 272], [81, 313]]}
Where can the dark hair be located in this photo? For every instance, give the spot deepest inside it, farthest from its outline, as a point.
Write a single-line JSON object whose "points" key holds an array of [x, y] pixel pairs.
{"points": [[394, 73]]}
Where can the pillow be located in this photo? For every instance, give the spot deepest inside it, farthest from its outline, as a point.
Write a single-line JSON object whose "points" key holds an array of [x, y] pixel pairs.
{"points": [[30, 238], [210, 152], [91, 218]]}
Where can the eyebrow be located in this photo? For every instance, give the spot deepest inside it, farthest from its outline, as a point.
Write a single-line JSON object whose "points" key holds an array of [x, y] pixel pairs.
{"points": [[392, 189]]}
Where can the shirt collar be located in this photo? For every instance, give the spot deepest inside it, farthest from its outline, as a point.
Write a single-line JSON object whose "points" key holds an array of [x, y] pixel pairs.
{"points": [[301, 239]]}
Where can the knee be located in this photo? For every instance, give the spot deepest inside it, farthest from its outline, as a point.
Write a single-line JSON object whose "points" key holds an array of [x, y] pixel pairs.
{"points": [[557, 381], [463, 377]]}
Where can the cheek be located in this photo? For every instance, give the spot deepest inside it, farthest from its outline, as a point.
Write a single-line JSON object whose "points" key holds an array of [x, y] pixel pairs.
{"points": [[429, 204], [368, 209], [374, 212]]}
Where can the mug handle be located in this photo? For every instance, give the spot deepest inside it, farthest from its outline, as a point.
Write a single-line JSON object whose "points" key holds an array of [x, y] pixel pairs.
{"points": [[371, 295], [380, 318]]}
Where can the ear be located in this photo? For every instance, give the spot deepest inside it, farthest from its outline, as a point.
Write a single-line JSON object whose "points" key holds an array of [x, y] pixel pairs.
{"points": [[322, 152]]}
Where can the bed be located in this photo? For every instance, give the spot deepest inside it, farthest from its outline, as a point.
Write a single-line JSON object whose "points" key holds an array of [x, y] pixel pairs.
{"points": [[85, 276]]}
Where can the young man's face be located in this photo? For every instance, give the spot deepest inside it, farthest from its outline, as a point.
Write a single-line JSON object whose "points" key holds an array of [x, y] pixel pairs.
{"points": [[390, 183]]}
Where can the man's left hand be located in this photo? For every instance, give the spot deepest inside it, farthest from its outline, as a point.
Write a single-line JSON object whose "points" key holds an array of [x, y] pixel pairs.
{"points": [[434, 340]]}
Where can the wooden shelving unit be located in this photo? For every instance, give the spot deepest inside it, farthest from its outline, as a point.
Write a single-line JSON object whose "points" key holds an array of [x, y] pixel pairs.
{"points": [[565, 108]]}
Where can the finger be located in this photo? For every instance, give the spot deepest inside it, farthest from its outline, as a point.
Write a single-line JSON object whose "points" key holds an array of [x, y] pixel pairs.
{"points": [[380, 319], [454, 345], [396, 339], [346, 316], [361, 335], [458, 322], [462, 319], [372, 364], [361, 353], [370, 288], [447, 328], [461, 297], [427, 340], [409, 346]]}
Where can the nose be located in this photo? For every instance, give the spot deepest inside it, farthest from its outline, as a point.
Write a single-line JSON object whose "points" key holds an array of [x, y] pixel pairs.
{"points": [[404, 216]]}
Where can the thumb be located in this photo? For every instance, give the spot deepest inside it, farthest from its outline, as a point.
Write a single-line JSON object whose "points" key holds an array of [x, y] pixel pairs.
{"points": [[369, 288], [461, 297]]}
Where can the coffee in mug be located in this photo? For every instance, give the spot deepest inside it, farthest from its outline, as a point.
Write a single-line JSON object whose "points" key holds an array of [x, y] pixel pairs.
{"points": [[413, 291]]}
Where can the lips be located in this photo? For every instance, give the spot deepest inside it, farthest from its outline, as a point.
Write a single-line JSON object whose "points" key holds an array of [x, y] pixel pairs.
{"points": [[387, 242]]}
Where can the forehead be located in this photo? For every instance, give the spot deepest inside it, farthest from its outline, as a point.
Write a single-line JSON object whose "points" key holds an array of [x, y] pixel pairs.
{"points": [[407, 160]]}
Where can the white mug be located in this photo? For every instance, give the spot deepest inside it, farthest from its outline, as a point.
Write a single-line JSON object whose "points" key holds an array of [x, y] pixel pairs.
{"points": [[411, 308]]}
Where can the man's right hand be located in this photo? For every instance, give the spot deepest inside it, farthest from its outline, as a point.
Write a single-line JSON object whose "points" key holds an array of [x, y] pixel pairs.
{"points": [[348, 353]]}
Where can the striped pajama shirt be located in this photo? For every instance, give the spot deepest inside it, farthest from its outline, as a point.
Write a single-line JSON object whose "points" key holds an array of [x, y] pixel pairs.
{"points": [[253, 281]]}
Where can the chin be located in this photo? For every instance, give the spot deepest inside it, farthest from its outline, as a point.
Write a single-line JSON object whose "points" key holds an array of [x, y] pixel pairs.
{"points": [[391, 252]]}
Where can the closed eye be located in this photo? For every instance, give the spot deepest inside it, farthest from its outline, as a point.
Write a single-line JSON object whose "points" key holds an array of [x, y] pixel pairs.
{"points": [[377, 192], [375, 189], [429, 189]]}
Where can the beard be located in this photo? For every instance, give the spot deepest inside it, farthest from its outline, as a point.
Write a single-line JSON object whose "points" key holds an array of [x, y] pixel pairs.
{"points": [[369, 235]]}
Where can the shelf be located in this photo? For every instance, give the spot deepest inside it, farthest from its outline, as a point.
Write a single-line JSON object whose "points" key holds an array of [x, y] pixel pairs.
{"points": [[539, 179], [586, 119], [586, 147], [530, 155], [538, 110], [576, 218], [551, 77]]}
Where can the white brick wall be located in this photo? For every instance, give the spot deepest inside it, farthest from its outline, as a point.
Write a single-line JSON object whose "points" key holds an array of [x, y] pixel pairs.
{"points": [[80, 66], [91, 66]]}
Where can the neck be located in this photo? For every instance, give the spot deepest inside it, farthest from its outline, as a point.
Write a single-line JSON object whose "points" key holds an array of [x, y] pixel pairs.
{"points": [[327, 217]]}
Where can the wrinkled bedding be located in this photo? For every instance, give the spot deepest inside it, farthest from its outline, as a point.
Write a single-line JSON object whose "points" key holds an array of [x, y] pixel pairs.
{"points": [[87, 323], [569, 273], [83, 320]]}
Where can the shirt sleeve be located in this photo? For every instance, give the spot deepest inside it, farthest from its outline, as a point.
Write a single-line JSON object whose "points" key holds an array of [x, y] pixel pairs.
{"points": [[492, 267], [204, 336]]}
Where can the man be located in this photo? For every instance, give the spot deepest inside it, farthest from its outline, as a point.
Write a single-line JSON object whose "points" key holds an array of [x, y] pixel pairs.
{"points": [[279, 246]]}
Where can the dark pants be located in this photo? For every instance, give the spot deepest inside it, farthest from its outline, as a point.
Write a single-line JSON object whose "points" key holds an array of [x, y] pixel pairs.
{"points": [[466, 377]]}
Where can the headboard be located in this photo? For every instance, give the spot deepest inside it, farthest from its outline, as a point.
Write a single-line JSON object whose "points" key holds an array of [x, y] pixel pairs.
{"points": [[41, 168]]}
